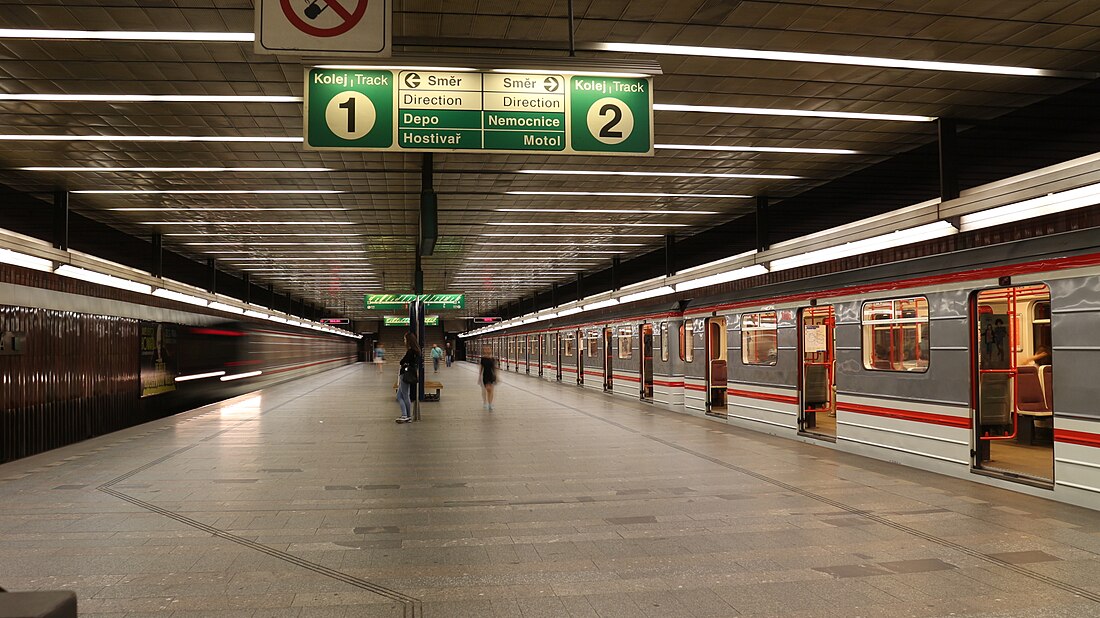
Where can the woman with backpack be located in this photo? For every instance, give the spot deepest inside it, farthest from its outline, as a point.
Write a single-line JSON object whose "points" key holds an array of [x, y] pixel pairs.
{"points": [[408, 376]]}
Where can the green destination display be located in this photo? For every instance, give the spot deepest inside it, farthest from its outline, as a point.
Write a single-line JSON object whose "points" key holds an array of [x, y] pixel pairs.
{"points": [[401, 301], [513, 112], [395, 320]]}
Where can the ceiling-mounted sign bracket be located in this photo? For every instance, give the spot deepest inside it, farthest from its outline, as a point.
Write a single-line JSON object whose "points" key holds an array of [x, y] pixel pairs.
{"points": [[323, 27]]}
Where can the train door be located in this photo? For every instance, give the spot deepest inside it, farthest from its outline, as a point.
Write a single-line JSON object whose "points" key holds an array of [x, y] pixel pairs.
{"points": [[580, 357], [1014, 383], [608, 362], [527, 355], [540, 355], [817, 386], [557, 355], [645, 336], [717, 375]]}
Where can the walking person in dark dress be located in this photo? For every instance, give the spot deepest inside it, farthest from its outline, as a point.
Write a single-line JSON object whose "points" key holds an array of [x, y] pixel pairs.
{"points": [[409, 366], [487, 377]]}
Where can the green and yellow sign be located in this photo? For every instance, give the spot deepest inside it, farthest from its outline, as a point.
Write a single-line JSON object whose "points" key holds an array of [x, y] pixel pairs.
{"points": [[396, 320], [453, 111], [401, 301]]}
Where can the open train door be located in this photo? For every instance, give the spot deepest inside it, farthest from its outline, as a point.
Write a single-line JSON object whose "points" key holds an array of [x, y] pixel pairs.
{"points": [[717, 374], [817, 371], [645, 332], [580, 356], [608, 363], [540, 354], [1013, 384], [559, 339]]}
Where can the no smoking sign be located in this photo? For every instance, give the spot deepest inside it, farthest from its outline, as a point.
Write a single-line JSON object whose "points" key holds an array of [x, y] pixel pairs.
{"points": [[318, 27]]}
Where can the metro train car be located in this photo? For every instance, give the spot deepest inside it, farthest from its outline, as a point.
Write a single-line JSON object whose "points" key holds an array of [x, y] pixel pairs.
{"points": [[977, 363]]}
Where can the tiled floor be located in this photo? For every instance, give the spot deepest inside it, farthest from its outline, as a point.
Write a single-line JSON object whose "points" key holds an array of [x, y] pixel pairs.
{"points": [[308, 500]]}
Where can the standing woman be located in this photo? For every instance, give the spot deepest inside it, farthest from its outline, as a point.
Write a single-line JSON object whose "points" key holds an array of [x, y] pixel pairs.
{"points": [[487, 377], [407, 376]]}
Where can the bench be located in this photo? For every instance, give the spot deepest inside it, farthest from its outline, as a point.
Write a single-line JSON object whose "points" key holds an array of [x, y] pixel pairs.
{"points": [[429, 385]]}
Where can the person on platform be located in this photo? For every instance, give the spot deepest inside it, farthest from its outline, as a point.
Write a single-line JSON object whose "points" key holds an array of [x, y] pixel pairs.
{"points": [[379, 356], [487, 377], [450, 353], [437, 354], [407, 376]]}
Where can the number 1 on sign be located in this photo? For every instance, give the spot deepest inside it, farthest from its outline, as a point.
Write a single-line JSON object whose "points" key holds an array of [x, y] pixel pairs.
{"points": [[350, 115]]}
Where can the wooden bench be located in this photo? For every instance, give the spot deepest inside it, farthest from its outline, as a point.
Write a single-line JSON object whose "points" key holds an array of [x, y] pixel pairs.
{"points": [[429, 385]]}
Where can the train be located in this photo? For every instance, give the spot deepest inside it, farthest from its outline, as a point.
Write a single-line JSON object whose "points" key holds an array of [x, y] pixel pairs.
{"points": [[977, 363]]}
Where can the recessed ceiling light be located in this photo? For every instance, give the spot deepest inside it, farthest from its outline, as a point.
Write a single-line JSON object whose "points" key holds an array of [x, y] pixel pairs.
{"points": [[292, 259], [165, 170], [127, 35], [869, 61], [611, 211], [209, 192], [839, 151], [145, 138], [367, 67], [284, 252], [657, 174], [264, 234], [590, 236], [557, 244], [150, 98], [570, 258], [630, 194], [550, 252], [768, 111]]}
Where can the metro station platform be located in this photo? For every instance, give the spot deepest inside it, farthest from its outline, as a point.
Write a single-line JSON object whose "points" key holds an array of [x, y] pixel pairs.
{"points": [[306, 499]]}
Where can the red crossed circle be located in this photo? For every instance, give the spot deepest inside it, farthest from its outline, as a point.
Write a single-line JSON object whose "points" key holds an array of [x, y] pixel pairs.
{"points": [[351, 18]]}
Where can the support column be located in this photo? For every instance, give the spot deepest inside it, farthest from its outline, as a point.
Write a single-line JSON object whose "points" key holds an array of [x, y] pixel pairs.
{"points": [[212, 264], [615, 267], [762, 243], [418, 276], [156, 262], [949, 158], [580, 286], [670, 255], [429, 209], [61, 220], [247, 288], [554, 295]]}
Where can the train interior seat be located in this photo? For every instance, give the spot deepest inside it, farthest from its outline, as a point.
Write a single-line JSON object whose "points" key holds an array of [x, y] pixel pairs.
{"points": [[1029, 392], [817, 386]]}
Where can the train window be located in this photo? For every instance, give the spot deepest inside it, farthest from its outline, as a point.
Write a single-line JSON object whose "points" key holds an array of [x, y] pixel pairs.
{"points": [[664, 342], [687, 345], [567, 344], [895, 335], [1040, 331], [626, 341], [759, 338], [593, 344]]}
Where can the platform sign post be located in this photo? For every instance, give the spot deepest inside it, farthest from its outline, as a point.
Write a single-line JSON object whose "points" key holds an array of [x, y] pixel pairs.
{"points": [[463, 110]]}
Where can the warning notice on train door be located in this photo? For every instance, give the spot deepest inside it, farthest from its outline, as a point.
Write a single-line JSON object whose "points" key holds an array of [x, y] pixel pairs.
{"points": [[321, 27]]}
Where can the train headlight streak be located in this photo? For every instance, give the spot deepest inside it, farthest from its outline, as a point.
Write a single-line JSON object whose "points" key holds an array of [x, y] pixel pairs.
{"points": [[250, 374], [199, 376], [1034, 207]]}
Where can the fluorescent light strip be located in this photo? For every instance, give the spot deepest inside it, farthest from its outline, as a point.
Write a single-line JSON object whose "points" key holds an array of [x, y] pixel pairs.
{"points": [[199, 376], [655, 292], [257, 209], [588, 236], [282, 253], [767, 111], [555, 244], [726, 277], [127, 35], [210, 192], [630, 194], [65, 270], [579, 259], [160, 170], [296, 259], [150, 98], [145, 138], [867, 61], [920, 233], [225, 307], [611, 211], [179, 297], [15, 258], [837, 151], [616, 224], [252, 374], [367, 67], [247, 223], [267, 244], [567, 72], [657, 174], [265, 235], [1034, 207], [563, 250]]}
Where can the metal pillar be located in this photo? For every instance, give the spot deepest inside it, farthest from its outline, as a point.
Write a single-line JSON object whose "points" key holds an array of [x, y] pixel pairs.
{"points": [[247, 288], [61, 220], [670, 255], [762, 223], [212, 264], [615, 273], [949, 158], [157, 258], [429, 209]]}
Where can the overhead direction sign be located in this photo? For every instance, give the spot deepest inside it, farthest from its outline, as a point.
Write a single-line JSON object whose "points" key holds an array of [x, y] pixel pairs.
{"points": [[459, 111], [361, 27], [336, 321], [401, 301], [396, 320]]}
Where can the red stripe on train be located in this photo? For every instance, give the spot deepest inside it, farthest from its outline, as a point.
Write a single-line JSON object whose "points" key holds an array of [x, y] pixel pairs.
{"points": [[907, 415], [1081, 438], [764, 396]]}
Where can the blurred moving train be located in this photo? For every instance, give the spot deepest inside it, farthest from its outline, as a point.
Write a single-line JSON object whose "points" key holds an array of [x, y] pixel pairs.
{"points": [[978, 363]]}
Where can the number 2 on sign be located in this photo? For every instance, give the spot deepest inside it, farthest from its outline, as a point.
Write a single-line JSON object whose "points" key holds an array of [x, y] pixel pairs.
{"points": [[610, 120], [350, 115]]}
